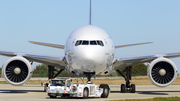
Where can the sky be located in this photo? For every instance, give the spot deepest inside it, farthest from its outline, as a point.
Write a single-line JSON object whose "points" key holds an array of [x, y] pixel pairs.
{"points": [[126, 21]]}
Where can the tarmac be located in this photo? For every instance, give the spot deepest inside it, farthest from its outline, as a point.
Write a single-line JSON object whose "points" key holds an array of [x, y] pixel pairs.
{"points": [[35, 93]]}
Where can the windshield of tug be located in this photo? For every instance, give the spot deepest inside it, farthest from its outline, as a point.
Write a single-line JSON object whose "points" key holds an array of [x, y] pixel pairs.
{"points": [[57, 82]]}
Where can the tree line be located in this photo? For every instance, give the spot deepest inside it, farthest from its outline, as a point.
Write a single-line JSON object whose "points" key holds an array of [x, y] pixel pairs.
{"points": [[42, 71], [137, 70]]}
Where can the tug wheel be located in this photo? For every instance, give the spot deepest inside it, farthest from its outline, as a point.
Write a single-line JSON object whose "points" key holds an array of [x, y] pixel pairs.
{"points": [[105, 92], [85, 93]]}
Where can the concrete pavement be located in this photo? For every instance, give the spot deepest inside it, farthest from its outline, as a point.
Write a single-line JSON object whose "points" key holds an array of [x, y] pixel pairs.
{"points": [[35, 93]]}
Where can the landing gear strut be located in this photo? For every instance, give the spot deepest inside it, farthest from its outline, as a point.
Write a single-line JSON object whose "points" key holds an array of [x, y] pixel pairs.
{"points": [[51, 70], [127, 77], [89, 75]]}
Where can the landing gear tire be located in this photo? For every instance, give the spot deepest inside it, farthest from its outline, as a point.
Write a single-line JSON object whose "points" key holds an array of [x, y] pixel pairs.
{"points": [[85, 93], [127, 71], [65, 96], [123, 88], [105, 92], [133, 88], [52, 96]]}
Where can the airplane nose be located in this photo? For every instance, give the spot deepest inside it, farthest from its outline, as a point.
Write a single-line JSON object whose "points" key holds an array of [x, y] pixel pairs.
{"points": [[93, 54], [90, 54], [91, 57]]}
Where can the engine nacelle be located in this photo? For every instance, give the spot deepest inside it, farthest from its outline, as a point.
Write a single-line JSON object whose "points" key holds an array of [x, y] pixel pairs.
{"points": [[162, 72], [17, 70]]}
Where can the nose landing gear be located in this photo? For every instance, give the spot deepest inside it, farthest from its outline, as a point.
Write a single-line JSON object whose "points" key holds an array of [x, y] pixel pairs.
{"points": [[127, 78], [89, 75], [105, 87]]}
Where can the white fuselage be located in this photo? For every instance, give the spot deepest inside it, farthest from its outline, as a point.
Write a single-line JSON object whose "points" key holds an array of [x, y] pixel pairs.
{"points": [[89, 49]]}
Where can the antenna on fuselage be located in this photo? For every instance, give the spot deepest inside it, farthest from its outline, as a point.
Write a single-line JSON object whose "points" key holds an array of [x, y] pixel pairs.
{"points": [[90, 15]]}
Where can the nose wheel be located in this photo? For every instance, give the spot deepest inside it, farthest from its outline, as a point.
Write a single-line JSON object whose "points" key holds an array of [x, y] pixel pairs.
{"points": [[127, 77]]}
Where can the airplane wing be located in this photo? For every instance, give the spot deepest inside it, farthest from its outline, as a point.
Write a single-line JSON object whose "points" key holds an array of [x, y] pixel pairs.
{"points": [[129, 61], [49, 60]]}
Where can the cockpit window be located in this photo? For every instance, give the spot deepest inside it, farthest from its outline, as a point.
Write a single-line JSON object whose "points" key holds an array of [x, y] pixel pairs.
{"points": [[85, 42], [78, 42], [93, 43], [100, 43]]}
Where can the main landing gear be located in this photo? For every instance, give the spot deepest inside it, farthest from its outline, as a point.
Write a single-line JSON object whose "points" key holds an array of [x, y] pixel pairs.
{"points": [[51, 70], [127, 78]]}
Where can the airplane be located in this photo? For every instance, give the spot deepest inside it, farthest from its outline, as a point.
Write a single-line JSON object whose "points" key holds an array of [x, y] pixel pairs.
{"points": [[89, 51]]}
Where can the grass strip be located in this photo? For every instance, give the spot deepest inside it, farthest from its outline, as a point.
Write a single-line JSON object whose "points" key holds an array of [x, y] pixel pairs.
{"points": [[153, 99], [142, 80], [3, 82]]}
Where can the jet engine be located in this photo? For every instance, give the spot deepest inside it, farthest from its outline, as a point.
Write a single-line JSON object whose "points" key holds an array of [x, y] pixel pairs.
{"points": [[162, 72], [17, 70]]}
